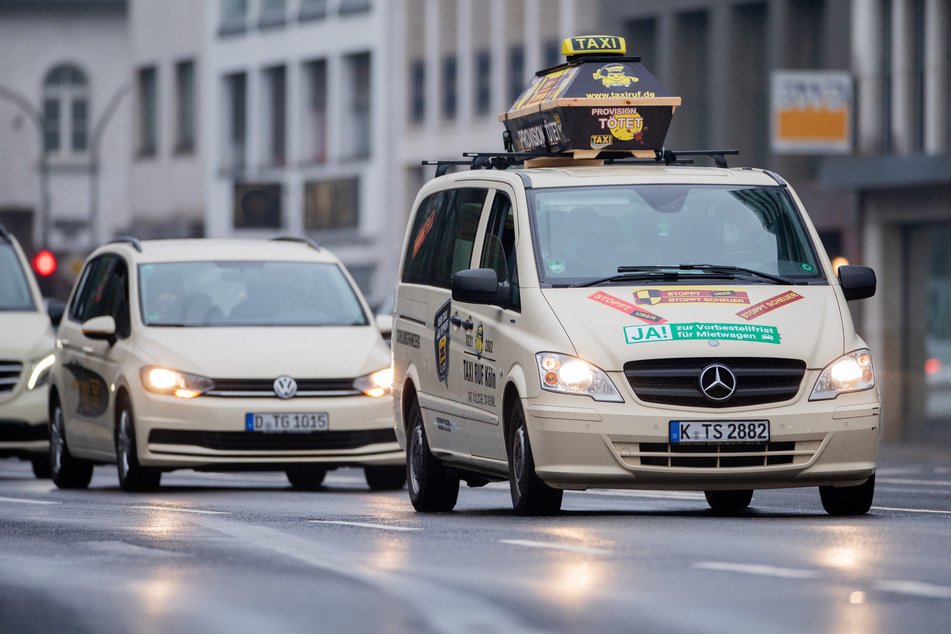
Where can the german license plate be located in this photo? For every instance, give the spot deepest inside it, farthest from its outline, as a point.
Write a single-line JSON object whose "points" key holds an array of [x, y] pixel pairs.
{"points": [[683, 431], [286, 423]]}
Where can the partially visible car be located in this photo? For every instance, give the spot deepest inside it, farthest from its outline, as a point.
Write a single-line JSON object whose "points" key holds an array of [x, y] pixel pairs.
{"points": [[220, 355], [26, 354]]}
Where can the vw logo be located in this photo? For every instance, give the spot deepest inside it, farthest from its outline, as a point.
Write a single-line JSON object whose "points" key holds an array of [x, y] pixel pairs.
{"points": [[717, 382], [285, 386]]}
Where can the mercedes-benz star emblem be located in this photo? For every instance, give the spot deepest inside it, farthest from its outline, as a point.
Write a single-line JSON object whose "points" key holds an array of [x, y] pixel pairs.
{"points": [[285, 386], [717, 382]]}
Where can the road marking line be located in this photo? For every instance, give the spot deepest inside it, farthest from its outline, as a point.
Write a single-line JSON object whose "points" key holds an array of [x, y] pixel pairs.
{"points": [[179, 510], [26, 501], [755, 569], [936, 483], [917, 588], [890, 508], [572, 549], [383, 527]]}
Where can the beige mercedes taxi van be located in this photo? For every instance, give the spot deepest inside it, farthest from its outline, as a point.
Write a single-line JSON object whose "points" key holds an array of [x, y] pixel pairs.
{"points": [[572, 323]]}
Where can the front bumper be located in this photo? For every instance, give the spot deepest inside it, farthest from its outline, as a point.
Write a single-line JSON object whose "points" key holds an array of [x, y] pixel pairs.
{"points": [[24, 428], [210, 431]]}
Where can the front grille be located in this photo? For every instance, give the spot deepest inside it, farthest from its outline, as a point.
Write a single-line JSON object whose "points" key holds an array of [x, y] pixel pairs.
{"points": [[9, 375], [677, 381], [265, 387], [261, 441], [717, 456]]}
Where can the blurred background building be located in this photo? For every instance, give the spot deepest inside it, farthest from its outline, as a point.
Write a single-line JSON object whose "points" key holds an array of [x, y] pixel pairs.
{"points": [[218, 118]]}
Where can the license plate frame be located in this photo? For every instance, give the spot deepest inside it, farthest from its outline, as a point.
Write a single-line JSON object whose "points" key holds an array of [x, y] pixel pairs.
{"points": [[287, 423], [719, 431]]}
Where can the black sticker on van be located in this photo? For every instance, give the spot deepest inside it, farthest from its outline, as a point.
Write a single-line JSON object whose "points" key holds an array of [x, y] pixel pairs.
{"points": [[441, 327]]}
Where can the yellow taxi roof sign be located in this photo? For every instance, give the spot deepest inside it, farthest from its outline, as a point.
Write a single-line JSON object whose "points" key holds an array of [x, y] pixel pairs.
{"points": [[594, 44]]}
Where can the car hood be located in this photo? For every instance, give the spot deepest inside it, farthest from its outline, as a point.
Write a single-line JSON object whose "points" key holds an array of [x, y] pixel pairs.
{"points": [[611, 325], [300, 352], [25, 335]]}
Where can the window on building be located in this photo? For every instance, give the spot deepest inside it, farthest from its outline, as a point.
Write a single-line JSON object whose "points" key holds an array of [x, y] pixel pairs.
{"points": [[315, 111], [357, 132], [354, 6], [235, 132], [148, 111], [275, 116], [185, 107], [449, 75], [417, 82], [273, 13], [234, 15], [517, 78], [483, 80], [257, 206], [65, 110], [313, 9], [331, 204]]}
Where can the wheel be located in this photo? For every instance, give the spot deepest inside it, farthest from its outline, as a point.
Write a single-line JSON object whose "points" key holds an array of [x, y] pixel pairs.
{"points": [[729, 500], [530, 496], [385, 478], [41, 466], [855, 500], [431, 489], [66, 471], [132, 475], [306, 477]]}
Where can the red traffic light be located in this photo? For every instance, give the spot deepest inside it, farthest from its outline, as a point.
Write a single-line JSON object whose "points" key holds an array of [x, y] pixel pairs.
{"points": [[44, 263]]}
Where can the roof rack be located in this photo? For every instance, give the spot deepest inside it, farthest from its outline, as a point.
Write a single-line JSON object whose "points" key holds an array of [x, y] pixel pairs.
{"points": [[308, 241], [130, 240], [504, 160]]}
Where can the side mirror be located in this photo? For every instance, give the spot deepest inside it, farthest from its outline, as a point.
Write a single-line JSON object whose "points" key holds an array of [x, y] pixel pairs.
{"points": [[858, 282], [481, 286], [101, 328], [55, 309], [384, 324]]}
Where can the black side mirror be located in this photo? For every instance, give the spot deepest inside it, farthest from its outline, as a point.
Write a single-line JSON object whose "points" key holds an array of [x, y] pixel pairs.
{"points": [[481, 286], [55, 309], [858, 282]]}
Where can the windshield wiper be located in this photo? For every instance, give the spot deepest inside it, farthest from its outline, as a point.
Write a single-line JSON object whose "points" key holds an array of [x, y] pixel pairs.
{"points": [[732, 270], [672, 273]]}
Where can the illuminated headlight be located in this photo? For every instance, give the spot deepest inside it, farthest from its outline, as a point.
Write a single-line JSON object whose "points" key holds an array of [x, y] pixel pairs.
{"points": [[40, 374], [375, 384], [180, 384], [570, 375], [851, 372]]}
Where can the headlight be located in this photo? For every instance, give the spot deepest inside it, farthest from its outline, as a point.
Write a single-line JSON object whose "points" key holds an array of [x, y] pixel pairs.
{"points": [[851, 372], [180, 384], [375, 384], [570, 375], [40, 375]]}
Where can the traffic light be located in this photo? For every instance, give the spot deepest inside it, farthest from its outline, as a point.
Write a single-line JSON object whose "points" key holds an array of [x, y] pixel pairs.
{"points": [[44, 263]]}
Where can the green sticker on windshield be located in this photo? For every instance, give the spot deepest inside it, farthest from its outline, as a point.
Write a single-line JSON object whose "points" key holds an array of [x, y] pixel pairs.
{"points": [[558, 266], [806, 267]]}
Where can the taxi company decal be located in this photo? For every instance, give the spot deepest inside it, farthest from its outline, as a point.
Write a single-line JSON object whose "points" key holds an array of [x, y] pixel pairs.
{"points": [[482, 377], [623, 123], [405, 338], [611, 75], [624, 307], [772, 303], [441, 327], [680, 295], [698, 331], [444, 424]]}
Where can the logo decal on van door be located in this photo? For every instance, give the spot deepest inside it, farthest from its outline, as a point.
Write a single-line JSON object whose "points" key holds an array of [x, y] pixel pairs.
{"points": [[441, 328]]}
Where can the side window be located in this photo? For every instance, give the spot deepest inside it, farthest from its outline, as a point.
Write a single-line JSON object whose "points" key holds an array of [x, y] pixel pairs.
{"points": [[442, 236], [115, 300], [92, 287], [498, 251]]}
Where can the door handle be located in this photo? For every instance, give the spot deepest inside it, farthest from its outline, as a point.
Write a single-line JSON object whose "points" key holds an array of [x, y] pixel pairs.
{"points": [[88, 349], [458, 321]]}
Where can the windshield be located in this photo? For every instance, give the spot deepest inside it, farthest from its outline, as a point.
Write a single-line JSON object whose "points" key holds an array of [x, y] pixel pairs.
{"points": [[14, 289], [252, 293], [587, 233]]}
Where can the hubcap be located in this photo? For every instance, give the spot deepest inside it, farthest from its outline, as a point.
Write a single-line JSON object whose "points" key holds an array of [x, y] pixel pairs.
{"points": [[56, 439], [416, 458], [518, 457], [125, 441]]}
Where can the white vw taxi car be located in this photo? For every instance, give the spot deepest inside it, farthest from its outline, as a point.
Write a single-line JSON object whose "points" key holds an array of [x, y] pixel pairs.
{"points": [[653, 326], [219, 355]]}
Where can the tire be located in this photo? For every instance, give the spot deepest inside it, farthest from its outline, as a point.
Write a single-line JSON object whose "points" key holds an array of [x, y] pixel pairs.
{"points": [[133, 476], [431, 488], [41, 466], [386, 478], [306, 477], [530, 496], [66, 471], [855, 500], [729, 500]]}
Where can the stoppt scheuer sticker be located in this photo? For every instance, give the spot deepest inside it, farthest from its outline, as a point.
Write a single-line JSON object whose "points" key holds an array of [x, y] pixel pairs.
{"points": [[441, 328]]}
